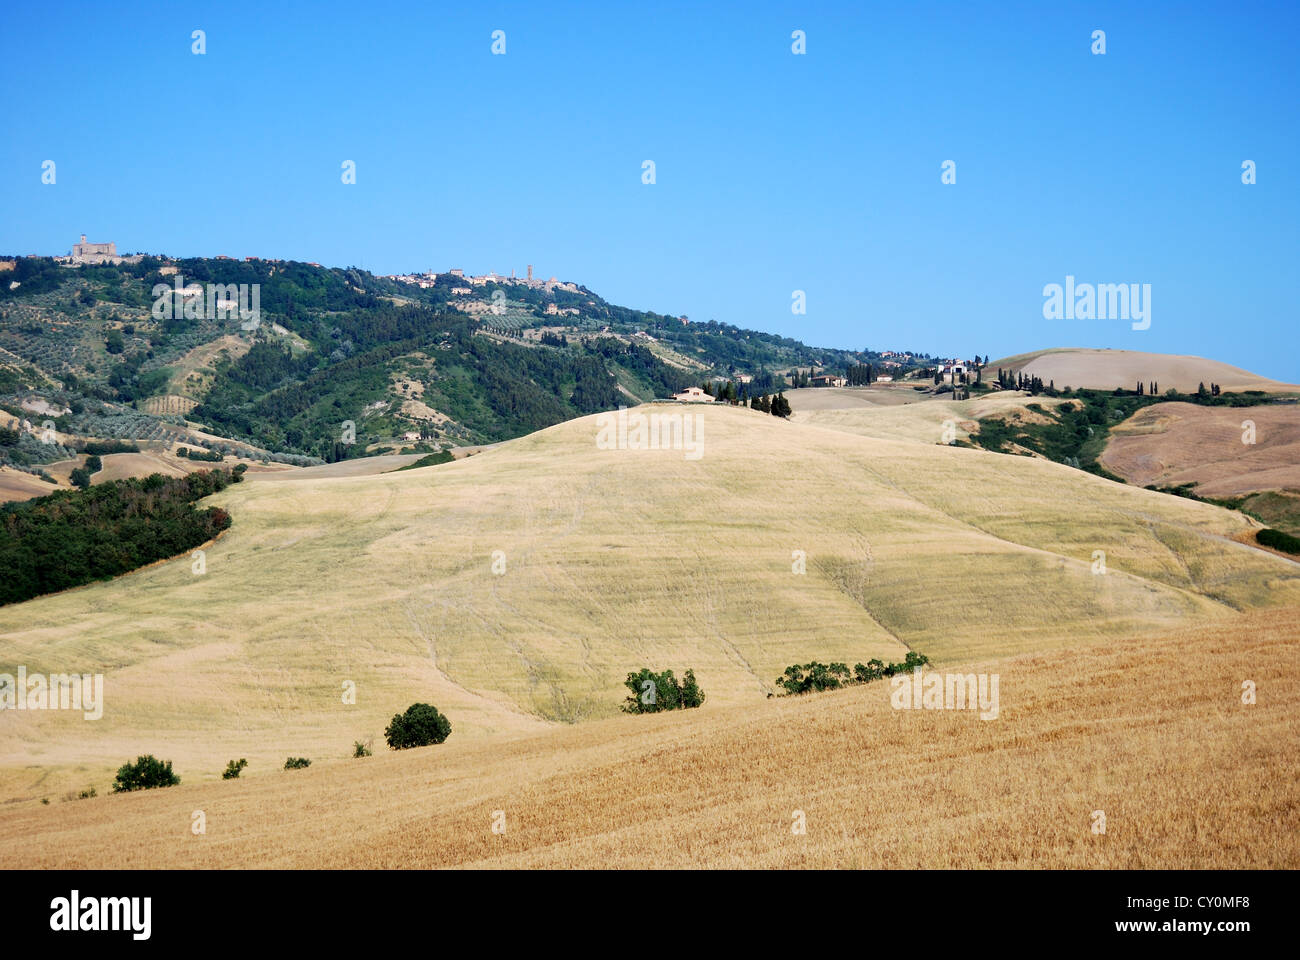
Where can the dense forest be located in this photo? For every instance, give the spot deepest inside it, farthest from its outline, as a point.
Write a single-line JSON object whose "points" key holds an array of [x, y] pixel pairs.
{"points": [[75, 536]]}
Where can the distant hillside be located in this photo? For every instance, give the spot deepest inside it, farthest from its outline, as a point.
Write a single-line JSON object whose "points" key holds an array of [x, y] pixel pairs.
{"points": [[1249, 459], [342, 363], [1111, 369], [1171, 444]]}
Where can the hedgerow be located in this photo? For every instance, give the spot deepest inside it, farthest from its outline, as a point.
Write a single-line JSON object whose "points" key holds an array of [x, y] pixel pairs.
{"points": [[817, 676]]}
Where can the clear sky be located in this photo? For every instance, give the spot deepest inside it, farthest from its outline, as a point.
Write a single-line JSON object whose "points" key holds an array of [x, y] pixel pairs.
{"points": [[774, 171]]}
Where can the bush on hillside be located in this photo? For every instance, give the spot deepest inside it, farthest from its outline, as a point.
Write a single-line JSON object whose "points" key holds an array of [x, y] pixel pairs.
{"points": [[815, 677], [431, 459], [296, 763], [420, 726], [1278, 540], [147, 773], [655, 692], [100, 447], [193, 453], [233, 768]]}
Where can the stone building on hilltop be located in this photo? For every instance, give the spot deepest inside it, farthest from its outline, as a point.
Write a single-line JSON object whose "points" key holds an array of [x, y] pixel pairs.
{"points": [[84, 252]]}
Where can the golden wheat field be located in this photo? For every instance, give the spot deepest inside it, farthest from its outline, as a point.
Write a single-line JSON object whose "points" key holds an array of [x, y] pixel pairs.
{"points": [[1151, 733], [516, 589]]}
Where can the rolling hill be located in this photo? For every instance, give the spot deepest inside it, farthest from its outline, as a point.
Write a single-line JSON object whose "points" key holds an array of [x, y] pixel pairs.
{"points": [[1248, 458], [1171, 444], [411, 366], [892, 417], [613, 559], [1121, 369]]}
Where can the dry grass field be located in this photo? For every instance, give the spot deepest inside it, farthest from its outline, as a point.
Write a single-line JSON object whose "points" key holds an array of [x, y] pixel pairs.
{"points": [[154, 458], [118, 466], [362, 467], [853, 398], [20, 485], [609, 561], [1109, 369], [1168, 444], [1151, 731], [917, 422]]}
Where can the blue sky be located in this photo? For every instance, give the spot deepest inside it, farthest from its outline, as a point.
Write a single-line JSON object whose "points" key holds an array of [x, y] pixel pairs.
{"points": [[775, 172]]}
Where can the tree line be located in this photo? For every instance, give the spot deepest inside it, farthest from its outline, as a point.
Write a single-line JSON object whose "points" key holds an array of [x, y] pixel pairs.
{"points": [[73, 537]]}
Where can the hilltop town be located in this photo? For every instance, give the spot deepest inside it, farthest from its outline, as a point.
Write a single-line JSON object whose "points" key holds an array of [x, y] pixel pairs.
{"points": [[467, 293], [458, 279]]}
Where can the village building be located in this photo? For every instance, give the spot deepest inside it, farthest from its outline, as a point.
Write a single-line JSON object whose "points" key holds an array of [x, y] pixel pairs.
{"points": [[693, 395]]}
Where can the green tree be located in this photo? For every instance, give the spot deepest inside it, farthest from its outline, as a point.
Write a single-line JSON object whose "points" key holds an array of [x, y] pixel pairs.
{"points": [[420, 726], [815, 676], [692, 695], [147, 773], [656, 692], [233, 768]]}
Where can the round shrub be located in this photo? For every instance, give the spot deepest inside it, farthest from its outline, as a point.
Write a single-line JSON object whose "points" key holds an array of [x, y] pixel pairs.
{"points": [[419, 726], [146, 773]]}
